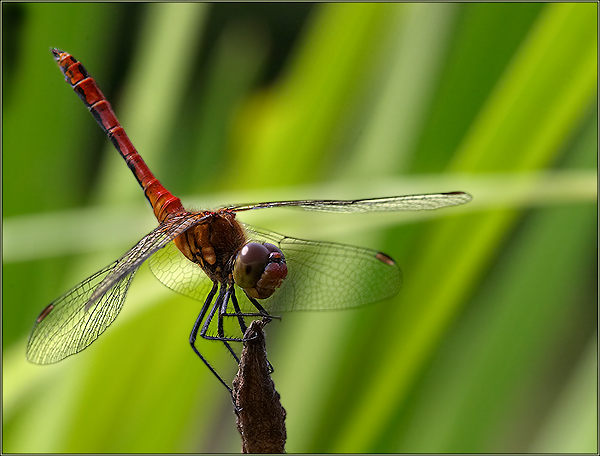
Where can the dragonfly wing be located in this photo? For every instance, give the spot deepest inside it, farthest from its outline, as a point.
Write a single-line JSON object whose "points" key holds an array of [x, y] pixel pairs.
{"points": [[76, 319], [158, 238], [68, 325], [178, 273], [423, 202], [329, 276]]}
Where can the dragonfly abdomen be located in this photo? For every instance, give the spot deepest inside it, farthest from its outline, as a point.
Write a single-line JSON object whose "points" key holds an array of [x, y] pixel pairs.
{"points": [[163, 202]]}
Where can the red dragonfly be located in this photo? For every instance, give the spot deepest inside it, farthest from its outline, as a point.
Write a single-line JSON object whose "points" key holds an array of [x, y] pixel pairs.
{"points": [[236, 270]]}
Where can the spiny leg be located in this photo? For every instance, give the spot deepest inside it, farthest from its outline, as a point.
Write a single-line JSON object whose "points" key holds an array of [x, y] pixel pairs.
{"points": [[194, 334], [238, 311], [221, 301], [224, 297]]}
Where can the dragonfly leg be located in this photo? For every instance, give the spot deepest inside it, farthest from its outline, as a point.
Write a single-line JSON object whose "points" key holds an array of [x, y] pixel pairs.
{"points": [[225, 294], [260, 308], [207, 302], [194, 334], [238, 312], [220, 331], [222, 297], [211, 314]]}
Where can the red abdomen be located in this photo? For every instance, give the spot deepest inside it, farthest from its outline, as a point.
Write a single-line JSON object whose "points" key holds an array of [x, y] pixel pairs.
{"points": [[162, 201]]}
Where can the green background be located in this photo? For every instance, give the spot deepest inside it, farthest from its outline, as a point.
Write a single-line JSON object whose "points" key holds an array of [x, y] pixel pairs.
{"points": [[490, 345]]}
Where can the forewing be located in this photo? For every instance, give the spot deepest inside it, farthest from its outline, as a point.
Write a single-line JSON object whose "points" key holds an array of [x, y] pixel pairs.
{"points": [[329, 276], [77, 318], [423, 202], [68, 325], [158, 238]]}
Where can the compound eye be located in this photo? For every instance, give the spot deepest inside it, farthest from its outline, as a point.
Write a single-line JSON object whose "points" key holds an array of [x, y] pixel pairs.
{"points": [[273, 250], [259, 269], [250, 264]]}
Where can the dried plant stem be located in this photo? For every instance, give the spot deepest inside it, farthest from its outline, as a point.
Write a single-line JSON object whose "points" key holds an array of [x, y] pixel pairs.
{"points": [[260, 416]]}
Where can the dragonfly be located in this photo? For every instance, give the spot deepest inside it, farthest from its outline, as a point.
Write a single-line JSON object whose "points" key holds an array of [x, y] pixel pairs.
{"points": [[236, 270]]}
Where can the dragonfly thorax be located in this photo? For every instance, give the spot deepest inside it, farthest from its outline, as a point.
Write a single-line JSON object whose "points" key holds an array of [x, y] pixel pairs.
{"points": [[214, 244]]}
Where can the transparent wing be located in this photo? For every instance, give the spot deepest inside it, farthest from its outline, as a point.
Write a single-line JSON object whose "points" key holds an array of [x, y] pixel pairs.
{"points": [[321, 275], [178, 273], [394, 203], [76, 319], [328, 276], [68, 325], [152, 242]]}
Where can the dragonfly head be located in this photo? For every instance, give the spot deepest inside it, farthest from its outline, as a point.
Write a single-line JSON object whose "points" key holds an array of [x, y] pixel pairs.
{"points": [[259, 269]]}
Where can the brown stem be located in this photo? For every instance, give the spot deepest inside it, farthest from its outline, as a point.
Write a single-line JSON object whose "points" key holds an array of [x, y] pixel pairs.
{"points": [[260, 416]]}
